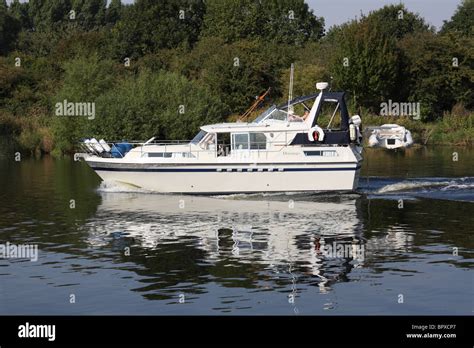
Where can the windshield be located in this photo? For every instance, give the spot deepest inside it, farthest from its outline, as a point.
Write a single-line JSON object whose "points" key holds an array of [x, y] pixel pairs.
{"points": [[279, 115], [198, 137], [265, 114]]}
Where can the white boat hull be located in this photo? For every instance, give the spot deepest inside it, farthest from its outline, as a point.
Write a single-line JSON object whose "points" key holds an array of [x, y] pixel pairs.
{"points": [[198, 180], [391, 136]]}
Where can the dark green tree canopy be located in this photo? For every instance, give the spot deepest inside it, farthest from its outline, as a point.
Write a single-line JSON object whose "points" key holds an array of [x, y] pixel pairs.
{"points": [[113, 12], [463, 19], [9, 29], [368, 61], [48, 15], [397, 22], [90, 14], [215, 57], [19, 10], [279, 21], [149, 25]]}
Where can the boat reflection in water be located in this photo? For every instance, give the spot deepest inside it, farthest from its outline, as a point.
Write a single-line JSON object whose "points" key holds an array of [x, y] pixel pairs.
{"points": [[279, 234]]}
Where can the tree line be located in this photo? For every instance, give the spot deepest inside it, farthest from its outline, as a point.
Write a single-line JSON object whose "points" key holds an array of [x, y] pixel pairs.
{"points": [[162, 68]]}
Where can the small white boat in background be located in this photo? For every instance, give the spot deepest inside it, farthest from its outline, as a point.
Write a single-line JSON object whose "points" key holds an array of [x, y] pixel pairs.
{"points": [[390, 136]]}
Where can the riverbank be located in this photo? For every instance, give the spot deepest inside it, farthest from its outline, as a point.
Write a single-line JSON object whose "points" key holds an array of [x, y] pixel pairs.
{"points": [[35, 135], [451, 129]]}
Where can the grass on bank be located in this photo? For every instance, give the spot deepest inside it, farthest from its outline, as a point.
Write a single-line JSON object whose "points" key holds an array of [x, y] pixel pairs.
{"points": [[451, 129]]}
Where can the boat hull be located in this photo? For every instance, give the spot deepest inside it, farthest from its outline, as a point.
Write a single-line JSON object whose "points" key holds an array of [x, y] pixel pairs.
{"points": [[236, 179]]}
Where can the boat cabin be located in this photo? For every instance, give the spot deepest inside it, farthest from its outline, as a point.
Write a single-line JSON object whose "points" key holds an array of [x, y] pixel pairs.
{"points": [[284, 125]]}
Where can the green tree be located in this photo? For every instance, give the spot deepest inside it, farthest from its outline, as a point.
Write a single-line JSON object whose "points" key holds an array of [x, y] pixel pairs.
{"points": [[161, 104], [113, 12], [291, 22], [9, 29], [441, 71], [10, 78], [49, 15], [147, 26], [237, 72], [396, 21], [367, 60], [280, 21], [90, 14], [85, 80], [462, 21], [131, 106], [365, 64], [305, 78], [19, 10]]}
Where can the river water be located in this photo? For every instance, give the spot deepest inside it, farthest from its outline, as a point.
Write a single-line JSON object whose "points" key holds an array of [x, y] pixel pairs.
{"points": [[402, 244]]}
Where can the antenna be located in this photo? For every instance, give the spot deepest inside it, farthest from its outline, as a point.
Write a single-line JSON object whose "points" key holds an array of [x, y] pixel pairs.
{"points": [[290, 92]]}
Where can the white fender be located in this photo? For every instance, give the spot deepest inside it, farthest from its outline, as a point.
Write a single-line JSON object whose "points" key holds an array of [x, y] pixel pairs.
{"points": [[373, 141], [104, 145], [408, 139], [317, 129], [89, 146], [352, 132], [95, 144]]}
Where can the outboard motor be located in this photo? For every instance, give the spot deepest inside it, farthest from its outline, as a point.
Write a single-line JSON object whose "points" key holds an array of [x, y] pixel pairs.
{"points": [[355, 133]]}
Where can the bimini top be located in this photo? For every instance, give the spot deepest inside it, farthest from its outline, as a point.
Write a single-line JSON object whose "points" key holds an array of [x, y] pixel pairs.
{"points": [[334, 97], [254, 127], [276, 118]]}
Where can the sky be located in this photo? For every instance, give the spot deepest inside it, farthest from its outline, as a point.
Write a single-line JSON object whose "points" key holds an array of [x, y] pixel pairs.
{"points": [[339, 11]]}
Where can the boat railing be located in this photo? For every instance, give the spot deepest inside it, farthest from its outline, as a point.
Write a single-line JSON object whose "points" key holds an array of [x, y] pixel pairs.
{"points": [[250, 149], [102, 147]]}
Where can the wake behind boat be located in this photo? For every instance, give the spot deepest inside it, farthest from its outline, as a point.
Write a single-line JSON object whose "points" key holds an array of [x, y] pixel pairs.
{"points": [[277, 152]]}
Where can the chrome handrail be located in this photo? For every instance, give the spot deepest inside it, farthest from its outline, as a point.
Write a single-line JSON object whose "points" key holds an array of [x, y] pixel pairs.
{"points": [[195, 149]]}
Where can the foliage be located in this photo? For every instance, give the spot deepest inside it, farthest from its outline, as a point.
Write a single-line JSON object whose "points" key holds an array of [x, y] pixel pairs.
{"points": [[149, 25], [238, 71], [462, 21], [368, 62], [9, 28], [127, 107], [278, 21], [214, 57], [132, 109]]}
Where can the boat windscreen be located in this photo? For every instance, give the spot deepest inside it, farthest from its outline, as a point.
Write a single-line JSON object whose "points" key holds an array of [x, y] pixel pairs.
{"points": [[265, 114], [198, 137]]}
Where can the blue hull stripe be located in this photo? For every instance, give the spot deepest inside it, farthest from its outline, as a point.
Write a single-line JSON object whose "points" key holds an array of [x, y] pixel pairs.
{"points": [[224, 170]]}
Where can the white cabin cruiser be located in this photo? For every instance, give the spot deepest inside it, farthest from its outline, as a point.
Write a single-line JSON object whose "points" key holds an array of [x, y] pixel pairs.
{"points": [[390, 136], [277, 152]]}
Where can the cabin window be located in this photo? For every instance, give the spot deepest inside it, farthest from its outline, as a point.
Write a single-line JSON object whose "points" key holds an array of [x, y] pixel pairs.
{"points": [[160, 154], [323, 153], [265, 114], [330, 114], [198, 137], [258, 141], [279, 115], [240, 141], [171, 154]]}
